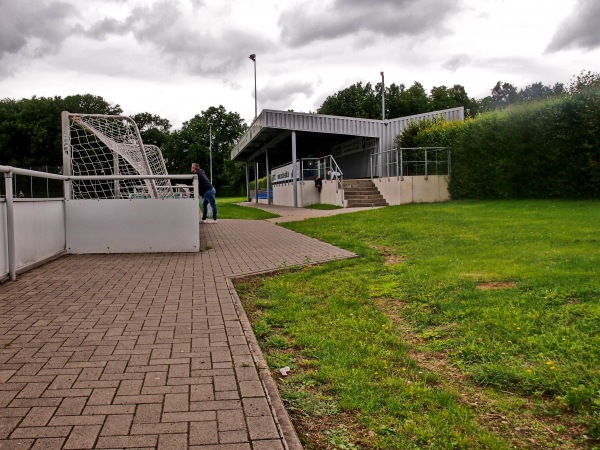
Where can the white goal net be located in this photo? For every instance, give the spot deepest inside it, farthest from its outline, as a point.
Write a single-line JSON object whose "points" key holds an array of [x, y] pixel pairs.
{"points": [[101, 145]]}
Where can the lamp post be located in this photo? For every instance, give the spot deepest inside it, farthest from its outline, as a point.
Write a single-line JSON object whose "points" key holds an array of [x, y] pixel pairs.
{"points": [[210, 149], [253, 58], [382, 97]]}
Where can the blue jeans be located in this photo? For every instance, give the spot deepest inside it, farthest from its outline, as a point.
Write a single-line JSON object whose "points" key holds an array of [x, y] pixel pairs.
{"points": [[209, 197]]}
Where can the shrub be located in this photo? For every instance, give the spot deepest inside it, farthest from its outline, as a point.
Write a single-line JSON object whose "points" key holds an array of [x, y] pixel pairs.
{"points": [[545, 149]]}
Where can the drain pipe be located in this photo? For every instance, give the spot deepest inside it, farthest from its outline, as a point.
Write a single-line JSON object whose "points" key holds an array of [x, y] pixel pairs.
{"points": [[10, 226]]}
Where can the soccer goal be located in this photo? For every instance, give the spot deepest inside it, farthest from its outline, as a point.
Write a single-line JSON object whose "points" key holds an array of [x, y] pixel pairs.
{"points": [[100, 145]]}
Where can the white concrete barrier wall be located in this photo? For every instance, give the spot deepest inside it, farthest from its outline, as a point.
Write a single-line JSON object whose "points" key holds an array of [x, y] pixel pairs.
{"points": [[413, 189], [3, 241], [331, 194], [309, 195], [39, 230], [283, 194], [132, 226]]}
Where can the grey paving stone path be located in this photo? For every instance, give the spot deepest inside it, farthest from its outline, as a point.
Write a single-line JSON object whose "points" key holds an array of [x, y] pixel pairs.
{"points": [[288, 214], [146, 350]]}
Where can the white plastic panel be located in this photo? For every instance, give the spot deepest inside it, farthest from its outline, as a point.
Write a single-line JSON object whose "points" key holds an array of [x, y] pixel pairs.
{"points": [[132, 226], [39, 230], [3, 241]]}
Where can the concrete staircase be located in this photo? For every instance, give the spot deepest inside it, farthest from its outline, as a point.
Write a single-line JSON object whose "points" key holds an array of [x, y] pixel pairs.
{"points": [[361, 193]]}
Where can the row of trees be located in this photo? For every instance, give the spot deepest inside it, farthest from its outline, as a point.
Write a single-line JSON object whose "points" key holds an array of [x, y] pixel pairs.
{"points": [[365, 101], [30, 129], [31, 135]]}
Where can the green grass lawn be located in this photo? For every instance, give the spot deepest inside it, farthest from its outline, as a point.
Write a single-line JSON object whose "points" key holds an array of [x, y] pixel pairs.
{"points": [[227, 209], [472, 325]]}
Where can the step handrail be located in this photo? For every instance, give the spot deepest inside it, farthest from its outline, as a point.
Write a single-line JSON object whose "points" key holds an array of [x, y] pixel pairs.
{"points": [[326, 168]]}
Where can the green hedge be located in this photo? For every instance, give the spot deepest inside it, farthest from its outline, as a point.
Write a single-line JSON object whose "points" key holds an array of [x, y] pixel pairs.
{"points": [[547, 149], [231, 191]]}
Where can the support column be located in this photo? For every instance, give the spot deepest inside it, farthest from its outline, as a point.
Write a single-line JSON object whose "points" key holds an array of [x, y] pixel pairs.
{"points": [[66, 147], [268, 177], [247, 183], [256, 180], [294, 170], [10, 226]]}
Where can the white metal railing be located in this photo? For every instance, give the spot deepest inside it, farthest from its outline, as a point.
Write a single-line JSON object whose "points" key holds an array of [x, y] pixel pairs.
{"points": [[411, 161], [9, 198], [325, 168], [34, 187]]}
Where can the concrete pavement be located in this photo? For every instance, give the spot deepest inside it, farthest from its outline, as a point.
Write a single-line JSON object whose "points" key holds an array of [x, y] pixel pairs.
{"points": [[289, 214], [146, 351]]}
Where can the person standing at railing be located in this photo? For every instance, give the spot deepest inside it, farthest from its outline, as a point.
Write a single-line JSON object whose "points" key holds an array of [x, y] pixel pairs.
{"points": [[318, 183], [207, 191]]}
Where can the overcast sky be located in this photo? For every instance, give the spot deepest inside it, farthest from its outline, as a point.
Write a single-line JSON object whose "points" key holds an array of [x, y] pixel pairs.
{"points": [[176, 58]]}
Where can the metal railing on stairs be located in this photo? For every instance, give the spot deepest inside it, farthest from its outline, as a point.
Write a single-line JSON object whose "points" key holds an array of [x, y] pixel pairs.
{"points": [[411, 161], [325, 168]]}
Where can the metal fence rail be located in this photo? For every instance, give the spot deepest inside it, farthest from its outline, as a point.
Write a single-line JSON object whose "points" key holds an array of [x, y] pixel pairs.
{"points": [[325, 168], [27, 186], [411, 161]]}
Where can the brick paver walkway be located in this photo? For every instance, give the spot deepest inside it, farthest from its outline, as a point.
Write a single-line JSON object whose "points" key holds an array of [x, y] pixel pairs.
{"points": [[145, 350]]}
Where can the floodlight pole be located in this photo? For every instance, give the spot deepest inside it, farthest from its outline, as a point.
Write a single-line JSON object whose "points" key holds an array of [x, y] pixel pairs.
{"points": [[382, 97], [253, 58], [210, 149]]}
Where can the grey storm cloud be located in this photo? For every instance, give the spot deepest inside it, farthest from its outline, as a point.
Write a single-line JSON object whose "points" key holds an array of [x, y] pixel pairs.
{"points": [[106, 27], [580, 30], [456, 62], [284, 94], [164, 26], [308, 23], [40, 26]]}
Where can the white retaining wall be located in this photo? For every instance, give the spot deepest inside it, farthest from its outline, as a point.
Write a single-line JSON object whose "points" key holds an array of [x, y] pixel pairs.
{"points": [[3, 241], [415, 189], [39, 232], [283, 194], [132, 226]]}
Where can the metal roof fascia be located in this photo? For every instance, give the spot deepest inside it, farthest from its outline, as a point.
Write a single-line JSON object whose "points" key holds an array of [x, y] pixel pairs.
{"points": [[254, 130], [385, 130], [319, 123]]}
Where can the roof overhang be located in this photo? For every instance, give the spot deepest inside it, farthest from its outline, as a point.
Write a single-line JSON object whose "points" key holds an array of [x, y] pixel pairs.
{"points": [[272, 129]]}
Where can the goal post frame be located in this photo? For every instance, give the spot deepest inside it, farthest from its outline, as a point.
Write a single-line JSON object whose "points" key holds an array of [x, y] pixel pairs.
{"points": [[121, 143]]}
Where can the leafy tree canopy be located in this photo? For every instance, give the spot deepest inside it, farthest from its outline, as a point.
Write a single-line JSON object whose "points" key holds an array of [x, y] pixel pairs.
{"points": [[193, 144], [365, 101], [354, 101], [153, 128], [30, 129]]}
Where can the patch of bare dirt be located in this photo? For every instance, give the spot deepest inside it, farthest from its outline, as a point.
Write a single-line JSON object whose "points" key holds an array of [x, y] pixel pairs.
{"points": [[496, 285], [314, 431], [391, 259]]}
